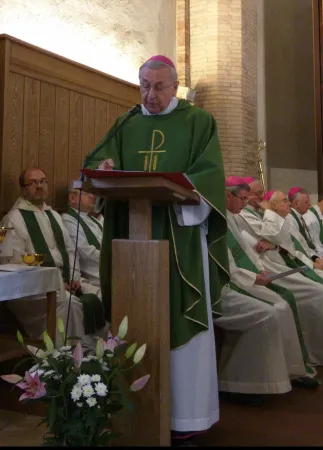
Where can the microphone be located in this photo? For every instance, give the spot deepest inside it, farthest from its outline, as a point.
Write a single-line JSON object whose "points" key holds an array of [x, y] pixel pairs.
{"points": [[133, 111]]}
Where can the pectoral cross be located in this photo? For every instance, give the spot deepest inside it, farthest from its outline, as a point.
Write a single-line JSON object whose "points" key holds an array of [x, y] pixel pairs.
{"points": [[151, 156]]}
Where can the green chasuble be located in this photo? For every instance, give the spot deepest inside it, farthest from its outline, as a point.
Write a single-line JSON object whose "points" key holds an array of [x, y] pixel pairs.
{"points": [[296, 262], [185, 140], [92, 307], [90, 236], [242, 260], [302, 229], [313, 210], [255, 212]]}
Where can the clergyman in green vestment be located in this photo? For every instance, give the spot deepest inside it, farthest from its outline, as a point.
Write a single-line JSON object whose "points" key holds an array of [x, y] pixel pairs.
{"points": [[173, 136]]}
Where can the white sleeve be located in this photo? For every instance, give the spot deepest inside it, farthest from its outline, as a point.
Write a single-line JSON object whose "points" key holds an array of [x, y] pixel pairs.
{"points": [[243, 278], [189, 215], [86, 251], [70, 247]]}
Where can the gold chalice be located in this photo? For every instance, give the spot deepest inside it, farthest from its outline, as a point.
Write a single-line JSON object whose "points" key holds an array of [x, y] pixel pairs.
{"points": [[3, 232], [28, 258], [39, 259]]}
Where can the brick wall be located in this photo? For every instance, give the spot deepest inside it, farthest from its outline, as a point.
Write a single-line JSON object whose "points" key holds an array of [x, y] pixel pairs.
{"points": [[223, 70]]}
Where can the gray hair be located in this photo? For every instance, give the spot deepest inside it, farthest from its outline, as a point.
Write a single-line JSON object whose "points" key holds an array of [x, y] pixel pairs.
{"points": [[297, 194], [273, 198], [159, 65], [237, 188]]}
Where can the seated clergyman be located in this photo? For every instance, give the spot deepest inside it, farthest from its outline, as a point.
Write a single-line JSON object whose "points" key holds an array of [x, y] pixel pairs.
{"points": [[248, 278], [314, 221], [300, 203], [288, 252], [89, 232], [39, 229]]}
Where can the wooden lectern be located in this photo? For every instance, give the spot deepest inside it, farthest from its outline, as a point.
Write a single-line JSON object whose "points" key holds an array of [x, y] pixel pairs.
{"points": [[140, 290]]}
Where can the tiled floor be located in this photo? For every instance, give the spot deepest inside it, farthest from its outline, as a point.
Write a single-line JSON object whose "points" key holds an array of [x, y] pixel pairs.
{"points": [[293, 419], [19, 429]]}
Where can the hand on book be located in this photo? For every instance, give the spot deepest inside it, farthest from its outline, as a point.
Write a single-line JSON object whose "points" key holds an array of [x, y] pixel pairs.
{"points": [[106, 164], [262, 279]]}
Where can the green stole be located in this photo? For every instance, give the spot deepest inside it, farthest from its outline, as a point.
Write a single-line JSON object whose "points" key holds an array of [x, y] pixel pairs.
{"points": [[296, 262], [302, 230], [90, 236], [97, 222], [242, 260], [258, 214], [313, 210], [92, 307]]}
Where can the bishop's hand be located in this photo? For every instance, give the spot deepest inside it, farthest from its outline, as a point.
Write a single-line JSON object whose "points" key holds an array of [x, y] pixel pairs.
{"points": [[106, 164]]}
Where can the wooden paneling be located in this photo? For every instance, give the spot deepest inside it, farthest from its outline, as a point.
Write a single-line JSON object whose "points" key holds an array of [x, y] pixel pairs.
{"points": [[12, 151], [62, 122], [53, 111], [32, 61], [75, 136], [112, 114], [88, 135], [30, 143], [101, 107], [47, 134]]}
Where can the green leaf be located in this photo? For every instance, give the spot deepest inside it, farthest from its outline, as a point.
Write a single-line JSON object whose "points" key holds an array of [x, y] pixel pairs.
{"points": [[123, 327], [139, 354], [130, 350], [20, 338], [99, 349], [52, 413], [48, 342]]}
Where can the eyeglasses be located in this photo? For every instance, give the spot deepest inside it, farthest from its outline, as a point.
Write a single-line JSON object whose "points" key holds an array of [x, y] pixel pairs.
{"points": [[36, 183], [243, 199], [147, 88]]}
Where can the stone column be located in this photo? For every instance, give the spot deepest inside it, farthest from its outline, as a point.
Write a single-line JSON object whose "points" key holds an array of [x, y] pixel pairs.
{"points": [[223, 57]]}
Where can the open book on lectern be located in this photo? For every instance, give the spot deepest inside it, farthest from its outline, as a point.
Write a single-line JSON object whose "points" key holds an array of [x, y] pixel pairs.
{"points": [[176, 177]]}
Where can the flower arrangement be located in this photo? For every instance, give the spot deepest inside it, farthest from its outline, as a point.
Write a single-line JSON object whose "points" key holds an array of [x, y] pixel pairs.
{"points": [[82, 389]]}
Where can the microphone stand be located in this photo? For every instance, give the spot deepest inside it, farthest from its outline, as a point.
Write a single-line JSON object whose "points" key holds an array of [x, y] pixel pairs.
{"points": [[133, 111]]}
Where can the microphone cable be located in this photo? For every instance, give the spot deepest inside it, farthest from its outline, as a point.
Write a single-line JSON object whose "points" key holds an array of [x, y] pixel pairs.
{"points": [[133, 111]]}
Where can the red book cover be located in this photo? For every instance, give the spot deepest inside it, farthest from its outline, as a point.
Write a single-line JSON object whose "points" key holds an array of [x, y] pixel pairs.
{"points": [[175, 177]]}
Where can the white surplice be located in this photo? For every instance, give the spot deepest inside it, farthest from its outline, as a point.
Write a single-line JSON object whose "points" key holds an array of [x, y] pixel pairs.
{"points": [[313, 226], [290, 219], [32, 313], [193, 371], [308, 293], [89, 255], [194, 381], [245, 279], [253, 357]]}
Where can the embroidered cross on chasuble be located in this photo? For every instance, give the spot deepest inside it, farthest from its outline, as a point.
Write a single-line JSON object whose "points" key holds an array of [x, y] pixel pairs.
{"points": [[186, 141], [151, 156]]}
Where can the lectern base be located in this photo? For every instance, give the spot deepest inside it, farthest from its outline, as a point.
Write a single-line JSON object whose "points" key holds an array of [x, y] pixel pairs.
{"points": [[140, 290]]}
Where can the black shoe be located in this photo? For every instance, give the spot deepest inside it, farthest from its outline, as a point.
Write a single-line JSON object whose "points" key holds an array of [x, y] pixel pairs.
{"points": [[306, 382], [243, 399]]}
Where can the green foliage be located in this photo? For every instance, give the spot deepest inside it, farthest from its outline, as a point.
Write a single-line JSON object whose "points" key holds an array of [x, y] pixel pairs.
{"points": [[83, 389]]}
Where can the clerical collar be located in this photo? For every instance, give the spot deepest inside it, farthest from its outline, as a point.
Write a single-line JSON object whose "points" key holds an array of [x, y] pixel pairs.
{"points": [[22, 203], [296, 212], [172, 105]]}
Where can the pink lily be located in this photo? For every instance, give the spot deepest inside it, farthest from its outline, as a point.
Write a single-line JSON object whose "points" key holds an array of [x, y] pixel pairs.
{"points": [[14, 379], [32, 386], [112, 342], [78, 355], [140, 383]]}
